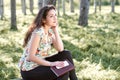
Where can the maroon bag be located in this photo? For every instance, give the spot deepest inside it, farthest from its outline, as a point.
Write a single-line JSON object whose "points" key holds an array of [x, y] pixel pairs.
{"points": [[60, 71]]}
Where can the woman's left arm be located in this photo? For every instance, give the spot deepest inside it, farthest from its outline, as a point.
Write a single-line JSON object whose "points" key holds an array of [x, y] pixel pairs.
{"points": [[57, 41]]}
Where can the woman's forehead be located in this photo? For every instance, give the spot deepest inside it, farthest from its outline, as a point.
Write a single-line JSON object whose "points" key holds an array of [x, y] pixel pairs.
{"points": [[52, 11]]}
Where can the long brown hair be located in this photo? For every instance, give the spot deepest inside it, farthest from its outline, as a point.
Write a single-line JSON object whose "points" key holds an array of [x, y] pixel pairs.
{"points": [[37, 23]]}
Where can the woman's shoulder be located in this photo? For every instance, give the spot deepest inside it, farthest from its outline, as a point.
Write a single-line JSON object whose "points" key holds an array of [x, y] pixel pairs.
{"points": [[39, 31]]}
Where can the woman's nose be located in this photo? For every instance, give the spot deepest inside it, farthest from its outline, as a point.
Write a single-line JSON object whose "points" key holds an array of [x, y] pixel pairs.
{"points": [[55, 17]]}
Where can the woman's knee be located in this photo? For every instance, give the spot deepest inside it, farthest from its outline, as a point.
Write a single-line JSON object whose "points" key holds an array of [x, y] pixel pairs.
{"points": [[66, 53]]}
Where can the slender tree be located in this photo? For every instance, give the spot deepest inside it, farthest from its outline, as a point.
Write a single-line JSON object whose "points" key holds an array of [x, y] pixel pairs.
{"points": [[52, 2], [58, 7], [95, 6], [40, 3], [63, 5], [23, 3], [71, 5], [112, 5], [31, 6], [84, 10], [45, 2], [1, 9], [13, 15], [100, 5]]}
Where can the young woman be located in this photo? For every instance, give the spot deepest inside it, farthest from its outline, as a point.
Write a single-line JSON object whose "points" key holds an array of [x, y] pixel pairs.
{"points": [[35, 62]]}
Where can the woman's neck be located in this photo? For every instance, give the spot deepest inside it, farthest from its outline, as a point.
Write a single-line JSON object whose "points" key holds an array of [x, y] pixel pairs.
{"points": [[46, 29]]}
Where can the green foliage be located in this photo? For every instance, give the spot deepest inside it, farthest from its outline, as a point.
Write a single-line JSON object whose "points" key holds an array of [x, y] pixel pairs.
{"points": [[98, 43]]}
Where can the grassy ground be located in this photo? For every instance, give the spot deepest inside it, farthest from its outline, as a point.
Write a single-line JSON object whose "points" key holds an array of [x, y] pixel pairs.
{"points": [[95, 48]]}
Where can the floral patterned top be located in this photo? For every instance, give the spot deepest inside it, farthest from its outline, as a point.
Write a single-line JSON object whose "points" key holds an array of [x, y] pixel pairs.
{"points": [[41, 52]]}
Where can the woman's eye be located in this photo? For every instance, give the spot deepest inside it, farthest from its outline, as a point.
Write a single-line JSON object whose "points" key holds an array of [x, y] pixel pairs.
{"points": [[51, 16]]}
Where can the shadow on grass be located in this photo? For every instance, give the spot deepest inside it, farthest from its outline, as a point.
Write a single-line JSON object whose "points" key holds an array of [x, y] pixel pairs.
{"points": [[10, 54], [107, 60], [76, 53], [11, 50]]}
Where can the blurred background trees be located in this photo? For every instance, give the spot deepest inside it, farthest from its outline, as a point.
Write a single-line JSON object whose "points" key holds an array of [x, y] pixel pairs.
{"points": [[83, 9], [1, 9], [13, 15]]}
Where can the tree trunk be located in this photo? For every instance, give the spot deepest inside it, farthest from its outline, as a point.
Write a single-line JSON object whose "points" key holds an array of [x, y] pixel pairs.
{"points": [[95, 6], [44, 2], [100, 5], [63, 5], [1, 9], [113, 5], [31, 6], [53, 2], [13, 15], [23, 2], [72, 5], [58, 9], [40, 3], [84, 10]]}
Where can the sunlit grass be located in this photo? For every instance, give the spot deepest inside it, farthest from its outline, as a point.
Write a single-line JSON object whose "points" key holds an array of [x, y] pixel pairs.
{"points": [[96, 47]]}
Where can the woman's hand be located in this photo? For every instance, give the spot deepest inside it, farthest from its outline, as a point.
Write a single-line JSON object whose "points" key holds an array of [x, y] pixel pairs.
{"points": [[57, 41], [57, 64], [55, 27]]}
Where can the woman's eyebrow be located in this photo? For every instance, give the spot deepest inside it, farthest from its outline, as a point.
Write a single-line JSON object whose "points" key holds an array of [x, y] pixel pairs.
{"points": [[51, 14]]}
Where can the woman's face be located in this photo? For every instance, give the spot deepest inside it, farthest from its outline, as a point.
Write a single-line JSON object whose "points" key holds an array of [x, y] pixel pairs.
{"points": [[51, 18]]}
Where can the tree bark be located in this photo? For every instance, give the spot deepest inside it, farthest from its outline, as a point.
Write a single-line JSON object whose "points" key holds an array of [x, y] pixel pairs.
{"points": [[63, 5], [45, 2], [23, 3], [13, 15], [113, 6], [100, 5], [31, 6], [1, 9], [95, 6], [58, 8], [71, 5], [40, 2], [84, 10], [53, 2]]}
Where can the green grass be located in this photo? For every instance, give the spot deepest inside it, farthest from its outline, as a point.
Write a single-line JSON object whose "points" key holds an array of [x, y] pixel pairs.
{"points": [[95, 48]]}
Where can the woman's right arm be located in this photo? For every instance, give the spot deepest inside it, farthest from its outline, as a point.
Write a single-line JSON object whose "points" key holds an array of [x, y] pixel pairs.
{"points": [[34, 43]]}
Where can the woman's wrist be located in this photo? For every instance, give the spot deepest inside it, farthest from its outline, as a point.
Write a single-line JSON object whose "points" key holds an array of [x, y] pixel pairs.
{"points": [[55, 30], [51, 64]]}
